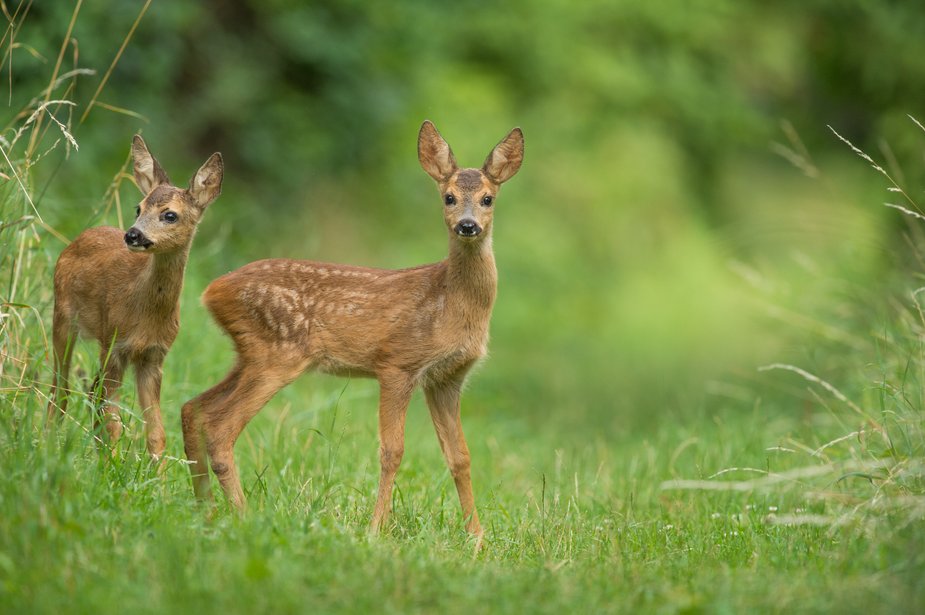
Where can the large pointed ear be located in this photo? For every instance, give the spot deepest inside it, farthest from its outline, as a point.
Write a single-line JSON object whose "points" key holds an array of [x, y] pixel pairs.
{"points": [[148, 172], [206, 185], [504, 161], [434, 153]]}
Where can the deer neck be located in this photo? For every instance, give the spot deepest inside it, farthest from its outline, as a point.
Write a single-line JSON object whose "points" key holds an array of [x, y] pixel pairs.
{"points": [[472, 278], [162, 280]]}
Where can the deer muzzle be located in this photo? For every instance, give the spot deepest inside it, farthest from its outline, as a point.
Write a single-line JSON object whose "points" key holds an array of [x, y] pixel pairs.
{"points": [[467, 228], [136, 240]]}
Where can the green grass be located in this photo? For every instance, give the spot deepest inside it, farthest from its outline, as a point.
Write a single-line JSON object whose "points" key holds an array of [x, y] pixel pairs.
{"points": [[577, 520], [574, 525]]}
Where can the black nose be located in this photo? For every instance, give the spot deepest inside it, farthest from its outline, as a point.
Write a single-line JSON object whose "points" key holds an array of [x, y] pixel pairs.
{"points": [[134, 237], [468, 228]]}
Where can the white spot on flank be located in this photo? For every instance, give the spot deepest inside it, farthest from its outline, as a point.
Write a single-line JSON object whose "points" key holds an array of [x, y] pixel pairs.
{"points": [[271, 322], [288, 293], [359, 295]]}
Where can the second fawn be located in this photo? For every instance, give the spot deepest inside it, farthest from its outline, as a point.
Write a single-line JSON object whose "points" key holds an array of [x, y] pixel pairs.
{"points": [[123, 290], [425, 326]]}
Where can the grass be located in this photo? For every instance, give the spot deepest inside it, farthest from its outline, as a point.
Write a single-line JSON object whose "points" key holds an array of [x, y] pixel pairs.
{"points": [[576, 521], [577, 526], [799, 488]]}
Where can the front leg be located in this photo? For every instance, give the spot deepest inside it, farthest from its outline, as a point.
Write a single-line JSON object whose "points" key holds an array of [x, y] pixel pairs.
{"points": [[148, 374], [394, 396], [443, 401]]}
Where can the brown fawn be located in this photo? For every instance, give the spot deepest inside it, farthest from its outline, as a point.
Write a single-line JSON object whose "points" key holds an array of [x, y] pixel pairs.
{"points": [[422, 326], [123, 290]]}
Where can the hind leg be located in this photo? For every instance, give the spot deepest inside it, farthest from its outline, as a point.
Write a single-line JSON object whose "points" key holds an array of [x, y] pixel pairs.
{"points": [[63, 347], [217, 417], [193, 435], [148, 374], [223, 422], [105, 389]]}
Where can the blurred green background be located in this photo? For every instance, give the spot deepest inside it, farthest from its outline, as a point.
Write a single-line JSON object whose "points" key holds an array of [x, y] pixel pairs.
{"points": [[683, 214]]}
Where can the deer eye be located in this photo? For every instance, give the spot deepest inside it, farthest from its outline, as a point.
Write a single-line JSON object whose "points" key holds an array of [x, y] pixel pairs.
{"points": [[449, 199], [137, 211], [486, 201], [169, 216]]}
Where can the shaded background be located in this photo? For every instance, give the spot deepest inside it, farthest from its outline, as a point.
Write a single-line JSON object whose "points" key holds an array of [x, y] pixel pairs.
{"points": [[683, 214]]}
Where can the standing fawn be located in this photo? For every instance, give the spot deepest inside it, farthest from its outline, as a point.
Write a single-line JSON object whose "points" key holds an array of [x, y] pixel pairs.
{"points": [[123, 290], [422, 326]]}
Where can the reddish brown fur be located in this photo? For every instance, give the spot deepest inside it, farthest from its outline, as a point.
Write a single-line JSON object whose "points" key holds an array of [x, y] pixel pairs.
{"points": [[128, 301], [424, 326]]}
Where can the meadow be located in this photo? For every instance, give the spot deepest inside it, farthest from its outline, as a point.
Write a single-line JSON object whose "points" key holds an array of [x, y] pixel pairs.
{"points": [[685, 409]]}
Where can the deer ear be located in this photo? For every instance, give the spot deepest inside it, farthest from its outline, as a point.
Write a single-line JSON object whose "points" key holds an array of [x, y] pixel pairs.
{"points": [[434, 153], [206, 185], [504, 161], [148, 172]]}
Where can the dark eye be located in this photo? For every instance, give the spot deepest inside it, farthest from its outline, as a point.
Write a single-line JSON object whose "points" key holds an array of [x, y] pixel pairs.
{"points": [[486, 201], [449, 199], [169, 216], [138, 211]]}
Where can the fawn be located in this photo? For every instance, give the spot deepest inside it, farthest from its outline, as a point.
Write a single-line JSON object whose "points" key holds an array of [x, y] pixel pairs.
{"points": [[422, 326], [123, 290]]}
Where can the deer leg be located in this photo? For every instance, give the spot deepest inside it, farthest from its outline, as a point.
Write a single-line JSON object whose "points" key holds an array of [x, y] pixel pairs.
{"points": [[63, 347], [394, 396], [194, 436], [105, 388], [225, 418], [148, 374], [443, 401]]}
